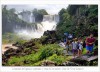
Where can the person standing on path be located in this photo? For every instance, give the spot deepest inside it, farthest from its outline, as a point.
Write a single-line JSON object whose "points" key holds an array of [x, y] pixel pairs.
{"points": [[79, 46], [67, 46], [74, 47], [90, 43]]}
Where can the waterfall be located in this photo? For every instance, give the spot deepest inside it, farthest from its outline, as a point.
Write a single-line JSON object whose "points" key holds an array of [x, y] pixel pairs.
{"points": [[49, 18], [27, 16], [30, 31]]}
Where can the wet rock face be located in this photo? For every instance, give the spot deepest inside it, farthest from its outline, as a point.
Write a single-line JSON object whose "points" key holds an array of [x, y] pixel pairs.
{"points": [[51, 37], [49, 32]]}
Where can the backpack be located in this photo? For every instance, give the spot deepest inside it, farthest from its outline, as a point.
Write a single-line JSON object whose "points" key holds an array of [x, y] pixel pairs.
{"points": [[64, 40]]}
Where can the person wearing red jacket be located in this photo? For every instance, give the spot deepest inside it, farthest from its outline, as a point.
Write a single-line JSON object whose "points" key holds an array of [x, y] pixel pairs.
{"points": [[90, 43]]}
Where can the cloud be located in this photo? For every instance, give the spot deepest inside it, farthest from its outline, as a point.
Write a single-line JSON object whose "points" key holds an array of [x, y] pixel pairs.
{"points": [[50, 8]]}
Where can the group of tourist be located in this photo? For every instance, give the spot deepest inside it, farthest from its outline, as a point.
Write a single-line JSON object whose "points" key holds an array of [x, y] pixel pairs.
{"points": [[76, 45]]}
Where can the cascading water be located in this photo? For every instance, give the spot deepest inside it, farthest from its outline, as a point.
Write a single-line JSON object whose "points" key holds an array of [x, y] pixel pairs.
{"points": [[48, 23]]}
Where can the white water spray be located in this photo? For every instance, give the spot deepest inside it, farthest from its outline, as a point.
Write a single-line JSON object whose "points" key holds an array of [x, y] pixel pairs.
{"points": [[29, 34], [47, 24]]}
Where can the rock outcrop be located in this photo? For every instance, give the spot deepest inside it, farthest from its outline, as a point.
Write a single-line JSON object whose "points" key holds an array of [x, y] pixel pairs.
{"points": [[48, 63]]}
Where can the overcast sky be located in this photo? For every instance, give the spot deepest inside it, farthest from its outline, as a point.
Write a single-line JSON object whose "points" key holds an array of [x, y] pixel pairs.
{"points": [[50, 8]]}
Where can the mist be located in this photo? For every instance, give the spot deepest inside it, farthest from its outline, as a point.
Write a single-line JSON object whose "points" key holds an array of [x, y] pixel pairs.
{"points": [[41, 28]]}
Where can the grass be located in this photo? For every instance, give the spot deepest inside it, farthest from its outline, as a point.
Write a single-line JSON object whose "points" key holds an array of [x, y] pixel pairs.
{"points": [[11, 38]]}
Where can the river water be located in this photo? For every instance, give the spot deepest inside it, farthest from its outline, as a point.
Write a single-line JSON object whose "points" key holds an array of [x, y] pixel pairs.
{"points": [[7, 45]]}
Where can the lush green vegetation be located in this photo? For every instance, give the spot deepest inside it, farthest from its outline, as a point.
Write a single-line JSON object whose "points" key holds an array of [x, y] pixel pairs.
{"points": [[57, 59], [79, 20], [50, 52]]}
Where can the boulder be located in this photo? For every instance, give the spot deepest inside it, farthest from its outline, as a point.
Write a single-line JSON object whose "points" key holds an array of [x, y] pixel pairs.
{"points": [[7, 47], [79, 61], [9, 51], [68, 63], [15, 44], [48, 63], [51, 37], [29, 44]]}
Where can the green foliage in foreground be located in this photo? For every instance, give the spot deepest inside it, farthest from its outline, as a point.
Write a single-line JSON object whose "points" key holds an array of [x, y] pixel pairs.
{"points": [[57, 59], [49, 52], [84, 51]]}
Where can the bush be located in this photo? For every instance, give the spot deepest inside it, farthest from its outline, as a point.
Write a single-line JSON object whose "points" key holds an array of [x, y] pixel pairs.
{"points": [[84, 51], [15, 61], [49, 50], [57, 59], [23, 60]]}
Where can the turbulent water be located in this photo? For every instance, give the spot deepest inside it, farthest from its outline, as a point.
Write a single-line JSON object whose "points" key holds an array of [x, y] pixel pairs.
{"points": [[29, 33], [49, 23]]}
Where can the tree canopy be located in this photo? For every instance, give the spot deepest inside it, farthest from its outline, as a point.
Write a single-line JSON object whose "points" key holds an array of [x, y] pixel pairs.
{"points": [[39, 14], [79, 20]]}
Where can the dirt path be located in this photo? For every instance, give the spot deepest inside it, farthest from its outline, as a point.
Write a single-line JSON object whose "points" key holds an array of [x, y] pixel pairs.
{"points": [[83, 57], [7, 45], [64, 51]]}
